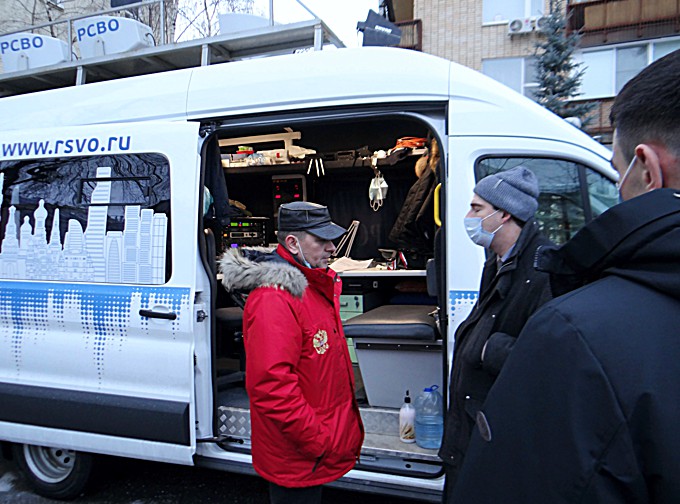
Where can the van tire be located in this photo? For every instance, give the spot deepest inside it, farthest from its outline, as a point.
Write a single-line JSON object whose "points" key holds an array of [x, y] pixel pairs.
{"points": [[56, 473]]}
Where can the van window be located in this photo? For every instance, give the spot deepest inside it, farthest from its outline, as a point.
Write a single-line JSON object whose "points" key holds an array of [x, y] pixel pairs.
{"points": [[571, 194], [602, 192], [89, 219]]}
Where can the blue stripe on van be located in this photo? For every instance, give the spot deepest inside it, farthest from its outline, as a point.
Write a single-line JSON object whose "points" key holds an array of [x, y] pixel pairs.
{"points": [[105, 314], [460, 303]]}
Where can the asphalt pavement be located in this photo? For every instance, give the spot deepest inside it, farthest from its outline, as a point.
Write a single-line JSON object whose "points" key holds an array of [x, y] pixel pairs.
{"points": [[124, 481]]}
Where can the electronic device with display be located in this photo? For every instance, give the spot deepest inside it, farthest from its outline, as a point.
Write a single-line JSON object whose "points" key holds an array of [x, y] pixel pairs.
{"points": [[245, 232], [286, 189]]}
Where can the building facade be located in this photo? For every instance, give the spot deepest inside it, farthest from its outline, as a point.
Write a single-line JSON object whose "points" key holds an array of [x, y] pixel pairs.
{"points": [[498, 38]]}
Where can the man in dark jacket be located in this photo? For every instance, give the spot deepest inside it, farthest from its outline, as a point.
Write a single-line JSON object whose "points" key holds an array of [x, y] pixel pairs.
{"points": [[586, 409], [306, 426], [501, 220]]}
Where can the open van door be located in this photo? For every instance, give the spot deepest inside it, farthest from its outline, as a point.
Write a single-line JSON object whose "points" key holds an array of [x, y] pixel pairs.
{"points": [[97, 272]]}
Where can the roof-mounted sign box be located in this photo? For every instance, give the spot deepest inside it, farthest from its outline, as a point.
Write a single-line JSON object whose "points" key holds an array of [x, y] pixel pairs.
{"points": [[22, 51], [100, 35]]}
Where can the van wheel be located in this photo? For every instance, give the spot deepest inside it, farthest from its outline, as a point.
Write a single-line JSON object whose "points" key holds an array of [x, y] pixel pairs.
{"points": [[56, 473]]}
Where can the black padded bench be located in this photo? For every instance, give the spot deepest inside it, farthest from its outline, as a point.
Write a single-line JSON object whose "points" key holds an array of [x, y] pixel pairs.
{"points": [[413, 322]]}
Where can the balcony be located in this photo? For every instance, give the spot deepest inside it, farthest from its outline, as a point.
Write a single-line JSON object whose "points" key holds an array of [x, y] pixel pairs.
{"points": [[614, 21], [411, 34]]}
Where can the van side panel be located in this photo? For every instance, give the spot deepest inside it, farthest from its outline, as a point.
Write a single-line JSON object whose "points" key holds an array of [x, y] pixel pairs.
{"points": [[347, 77], [50, 327], [97, 273], [156, 97]]}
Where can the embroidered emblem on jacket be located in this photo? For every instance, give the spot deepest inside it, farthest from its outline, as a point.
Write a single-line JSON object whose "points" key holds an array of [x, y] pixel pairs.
{"points": [[321, 342]]}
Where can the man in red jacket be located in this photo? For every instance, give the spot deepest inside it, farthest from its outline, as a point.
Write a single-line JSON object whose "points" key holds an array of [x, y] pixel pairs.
{"points": [[306, 427]]}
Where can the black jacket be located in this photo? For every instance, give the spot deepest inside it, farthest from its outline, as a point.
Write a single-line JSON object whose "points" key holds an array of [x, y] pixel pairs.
{"points": [[587, 407], [507, 298], [414, 227]]}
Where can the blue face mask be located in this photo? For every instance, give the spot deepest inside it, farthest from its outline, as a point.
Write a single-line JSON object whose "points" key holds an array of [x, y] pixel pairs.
{"points": [[303, 260], [479, 235]]}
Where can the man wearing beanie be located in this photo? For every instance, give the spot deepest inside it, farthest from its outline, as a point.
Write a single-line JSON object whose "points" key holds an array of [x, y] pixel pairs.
{"points": [[501, 220]]}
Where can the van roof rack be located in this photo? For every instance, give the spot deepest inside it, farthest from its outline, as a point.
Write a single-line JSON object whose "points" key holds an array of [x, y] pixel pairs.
{"points": [[265, 41]]}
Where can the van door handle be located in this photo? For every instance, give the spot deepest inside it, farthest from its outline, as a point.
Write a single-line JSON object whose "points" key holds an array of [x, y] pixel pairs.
{"points": [[160, 315]]}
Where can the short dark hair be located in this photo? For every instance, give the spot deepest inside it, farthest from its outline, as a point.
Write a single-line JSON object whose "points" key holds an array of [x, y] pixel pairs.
{"points": [[648, 107], [281, 235]]}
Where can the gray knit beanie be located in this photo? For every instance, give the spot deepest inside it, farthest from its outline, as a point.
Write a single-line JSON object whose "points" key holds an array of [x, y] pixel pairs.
{"points": [[515, 191]]}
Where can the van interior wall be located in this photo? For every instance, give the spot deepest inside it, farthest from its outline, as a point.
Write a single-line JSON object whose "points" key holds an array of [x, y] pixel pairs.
{"points": [[343, 189]]}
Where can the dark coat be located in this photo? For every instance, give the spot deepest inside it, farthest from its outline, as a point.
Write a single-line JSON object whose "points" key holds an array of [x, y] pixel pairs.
{"points": [[414, 227], [507, 298], [586, 409]]}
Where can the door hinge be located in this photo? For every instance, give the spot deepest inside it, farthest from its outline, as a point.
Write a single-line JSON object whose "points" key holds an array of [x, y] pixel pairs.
{"points": [[207, 129], [201, 316]]}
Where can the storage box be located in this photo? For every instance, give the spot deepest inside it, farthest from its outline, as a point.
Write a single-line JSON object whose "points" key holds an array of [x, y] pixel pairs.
{"points": [[390, 367], [398, 349]]}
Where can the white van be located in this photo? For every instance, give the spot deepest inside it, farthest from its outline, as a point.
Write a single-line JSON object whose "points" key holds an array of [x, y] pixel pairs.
{"points": [[116, 336]]}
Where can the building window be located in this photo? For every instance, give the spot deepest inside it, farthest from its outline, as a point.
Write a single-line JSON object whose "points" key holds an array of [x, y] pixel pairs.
{"points": [[661, 49], [494, 11], [608, 70], [516, 73], [629, 62]]}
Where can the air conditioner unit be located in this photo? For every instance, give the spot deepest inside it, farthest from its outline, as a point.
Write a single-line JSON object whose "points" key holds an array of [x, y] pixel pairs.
{"points": [[519, 25], [541, 23]]}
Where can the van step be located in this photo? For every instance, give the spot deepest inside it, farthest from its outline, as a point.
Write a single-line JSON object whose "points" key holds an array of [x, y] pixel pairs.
{"points": [[381, 427]]}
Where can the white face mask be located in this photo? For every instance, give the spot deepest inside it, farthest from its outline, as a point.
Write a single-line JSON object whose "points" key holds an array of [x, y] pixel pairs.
{"points": [[377, 192], [619, 184], [479, 235]]}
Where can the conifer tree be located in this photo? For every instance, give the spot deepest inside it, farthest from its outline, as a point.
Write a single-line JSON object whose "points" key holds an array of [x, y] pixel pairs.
{"points": [[558, 76]]}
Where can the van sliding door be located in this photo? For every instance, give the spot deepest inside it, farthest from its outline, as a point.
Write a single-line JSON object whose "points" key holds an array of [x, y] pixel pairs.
{"points": [[96, 288]]}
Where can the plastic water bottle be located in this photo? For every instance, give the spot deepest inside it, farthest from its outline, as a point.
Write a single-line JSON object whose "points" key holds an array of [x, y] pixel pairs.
{"points": [[429, 418]]}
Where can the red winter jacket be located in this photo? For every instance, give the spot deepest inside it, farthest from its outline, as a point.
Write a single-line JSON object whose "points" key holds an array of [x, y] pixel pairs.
{"points": [[306, 427]]}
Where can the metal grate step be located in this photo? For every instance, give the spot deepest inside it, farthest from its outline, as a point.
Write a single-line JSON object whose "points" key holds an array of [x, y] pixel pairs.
{"points": [[381, 426]]}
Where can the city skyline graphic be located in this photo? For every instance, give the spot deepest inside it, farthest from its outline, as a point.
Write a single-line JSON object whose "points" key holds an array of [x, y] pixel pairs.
{"points": [[135, 255]]}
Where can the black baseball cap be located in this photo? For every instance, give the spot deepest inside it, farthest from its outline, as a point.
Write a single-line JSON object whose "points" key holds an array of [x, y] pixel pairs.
{"points": [[310, 217]]}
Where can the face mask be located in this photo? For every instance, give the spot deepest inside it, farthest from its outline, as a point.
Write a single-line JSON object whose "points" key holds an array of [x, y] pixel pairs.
{"points": [[302, 256], [377, 191], [619, 184], [479, 235], [207, 200]]}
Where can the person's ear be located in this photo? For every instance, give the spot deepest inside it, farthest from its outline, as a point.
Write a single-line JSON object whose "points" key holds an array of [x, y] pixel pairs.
{"points": [[505, 216], [651, 167], [292, 244]]}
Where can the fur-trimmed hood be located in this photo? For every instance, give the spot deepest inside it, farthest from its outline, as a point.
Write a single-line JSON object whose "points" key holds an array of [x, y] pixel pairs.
{"points": [[245, 269]]}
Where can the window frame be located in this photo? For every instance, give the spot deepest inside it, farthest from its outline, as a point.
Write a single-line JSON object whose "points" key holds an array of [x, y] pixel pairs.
{"points": [[650, 47], [506, 20], [581, 174]]}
